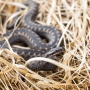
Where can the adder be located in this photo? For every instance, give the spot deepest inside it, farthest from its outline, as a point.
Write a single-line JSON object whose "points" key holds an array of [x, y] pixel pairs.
{"points": [[31, 34]]}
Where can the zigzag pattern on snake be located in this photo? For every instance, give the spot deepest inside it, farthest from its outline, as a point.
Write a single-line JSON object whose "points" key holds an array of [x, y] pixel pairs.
{"points": [[30, 34]]}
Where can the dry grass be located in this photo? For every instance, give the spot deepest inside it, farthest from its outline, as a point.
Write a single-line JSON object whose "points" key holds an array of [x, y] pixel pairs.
{"points": [[72, 18]]}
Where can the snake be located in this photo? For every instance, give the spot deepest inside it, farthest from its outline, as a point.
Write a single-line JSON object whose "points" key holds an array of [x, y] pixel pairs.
{"points": [[31, 33]]}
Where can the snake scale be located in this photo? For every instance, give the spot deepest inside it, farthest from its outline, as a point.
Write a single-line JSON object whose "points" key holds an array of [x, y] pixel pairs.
{"points": [[30, 34]]}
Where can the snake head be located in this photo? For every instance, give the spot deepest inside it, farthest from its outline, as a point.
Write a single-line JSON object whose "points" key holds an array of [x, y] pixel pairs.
{"points": [[54, 51]]}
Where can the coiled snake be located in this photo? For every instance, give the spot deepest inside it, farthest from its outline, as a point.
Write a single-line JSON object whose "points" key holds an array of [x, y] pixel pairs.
{"points": [[30, 34]]}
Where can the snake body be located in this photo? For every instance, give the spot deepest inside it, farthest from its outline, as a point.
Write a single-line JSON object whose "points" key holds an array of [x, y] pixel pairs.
{"points": [[30, 34]]}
